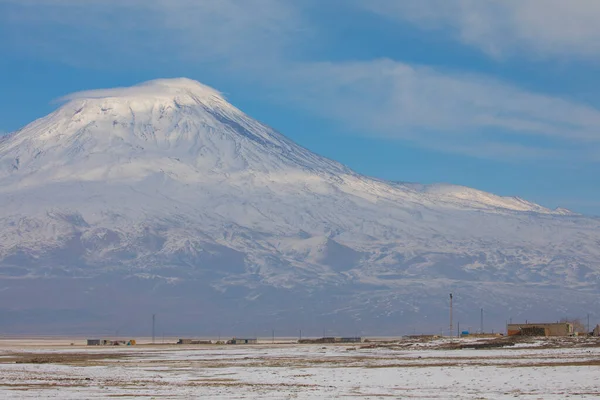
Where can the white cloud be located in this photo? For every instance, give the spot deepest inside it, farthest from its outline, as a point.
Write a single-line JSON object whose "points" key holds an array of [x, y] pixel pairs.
{"points": [[158, 87], [451, 112], [540, 28]]}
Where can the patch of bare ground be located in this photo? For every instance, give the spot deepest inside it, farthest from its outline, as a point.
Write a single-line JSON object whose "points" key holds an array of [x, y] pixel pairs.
{"points": [[558, 363], [400, 392], [254, 385], [426, 365], [142, 383], [358, 361], [137, 395], [503, 342], [377, 395], [59, 358], [490, 343], [42, 385], [451, 344], [557, 342], [214, 380]]}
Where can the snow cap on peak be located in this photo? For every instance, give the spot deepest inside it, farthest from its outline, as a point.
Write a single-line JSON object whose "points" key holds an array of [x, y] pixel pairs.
{"points": [[179, 88]]}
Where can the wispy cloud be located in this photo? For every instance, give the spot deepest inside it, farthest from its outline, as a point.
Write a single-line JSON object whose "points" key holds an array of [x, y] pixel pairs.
{"points": [[262, 43], [451, 112], [109, 33], [501, 28]]}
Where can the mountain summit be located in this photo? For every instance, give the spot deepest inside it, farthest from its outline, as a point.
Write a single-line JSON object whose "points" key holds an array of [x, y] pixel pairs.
{"points": [[164, 198], [178, 127]]}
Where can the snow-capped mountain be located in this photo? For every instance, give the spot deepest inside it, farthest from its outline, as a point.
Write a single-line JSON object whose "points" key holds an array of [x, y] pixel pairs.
{"points": [[164, 198]]}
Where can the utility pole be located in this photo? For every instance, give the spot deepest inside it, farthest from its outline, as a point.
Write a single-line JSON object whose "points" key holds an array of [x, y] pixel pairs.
{"points": [[300, 334], [153, 327], [450, 314], [458, 329], [481, 323], [588, 329]]}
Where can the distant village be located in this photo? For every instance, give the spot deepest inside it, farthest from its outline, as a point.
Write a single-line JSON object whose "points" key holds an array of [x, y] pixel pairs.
{"points": [[527, 329]]}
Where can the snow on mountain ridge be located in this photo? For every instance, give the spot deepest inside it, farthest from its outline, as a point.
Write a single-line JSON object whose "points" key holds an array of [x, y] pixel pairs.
{"points": [[465, 195], [176, 127], [188, 131]]}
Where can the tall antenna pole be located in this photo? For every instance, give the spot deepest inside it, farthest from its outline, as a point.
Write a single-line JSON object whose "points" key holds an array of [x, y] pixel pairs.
{"points": [[153, 326], [451, 314]]}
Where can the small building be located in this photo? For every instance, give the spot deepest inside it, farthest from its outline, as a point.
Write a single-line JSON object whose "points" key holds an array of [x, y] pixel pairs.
{"points": [[105, 342], [541, 329], [193, 341], [320, 340], [327, 340], [351, 340], [596, 331], [242, 341]]}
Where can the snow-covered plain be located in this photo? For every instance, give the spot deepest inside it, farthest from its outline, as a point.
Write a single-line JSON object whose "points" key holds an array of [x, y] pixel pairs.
{"points": [[309, 372], [133, 201]]}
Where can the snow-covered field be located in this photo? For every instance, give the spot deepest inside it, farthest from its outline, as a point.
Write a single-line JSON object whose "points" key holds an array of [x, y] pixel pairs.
{"points": [[531, 371]]}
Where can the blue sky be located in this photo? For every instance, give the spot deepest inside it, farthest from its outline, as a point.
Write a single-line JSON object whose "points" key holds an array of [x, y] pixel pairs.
{"points": [[498, 95]]}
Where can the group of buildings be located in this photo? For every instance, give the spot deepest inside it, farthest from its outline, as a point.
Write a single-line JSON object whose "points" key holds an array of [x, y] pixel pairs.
{"points": [[526, 329]]}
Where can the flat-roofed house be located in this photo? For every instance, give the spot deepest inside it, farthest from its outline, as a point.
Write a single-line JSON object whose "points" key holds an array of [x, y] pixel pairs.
{"points": [[541, 329]]}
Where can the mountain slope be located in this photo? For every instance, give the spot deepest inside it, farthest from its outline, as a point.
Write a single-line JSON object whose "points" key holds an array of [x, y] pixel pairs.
{"points": [[163, 195]]}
